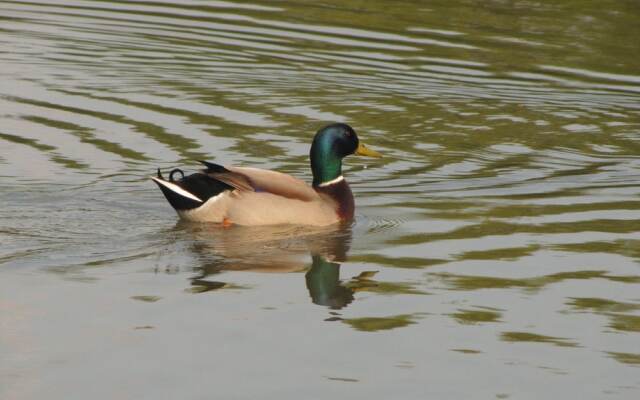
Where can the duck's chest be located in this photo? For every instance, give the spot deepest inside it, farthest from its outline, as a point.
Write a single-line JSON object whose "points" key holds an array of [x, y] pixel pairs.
{"points": [[340, 193]]}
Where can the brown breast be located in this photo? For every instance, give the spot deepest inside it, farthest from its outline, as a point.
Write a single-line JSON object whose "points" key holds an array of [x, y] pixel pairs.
{"points": [[340, 193]]}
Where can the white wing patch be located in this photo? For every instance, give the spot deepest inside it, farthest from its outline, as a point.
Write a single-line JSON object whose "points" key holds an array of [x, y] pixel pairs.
{"points": [[207, 212], [177, 189]]}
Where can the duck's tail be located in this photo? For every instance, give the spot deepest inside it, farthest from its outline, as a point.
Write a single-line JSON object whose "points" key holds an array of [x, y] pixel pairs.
{"points": [[189, 192]]}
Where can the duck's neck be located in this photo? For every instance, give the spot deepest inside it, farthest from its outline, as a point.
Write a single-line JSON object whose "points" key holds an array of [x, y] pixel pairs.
{"points": [[326, 168]]}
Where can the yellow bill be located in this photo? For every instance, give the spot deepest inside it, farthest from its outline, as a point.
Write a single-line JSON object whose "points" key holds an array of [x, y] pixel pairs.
{"points": [[363, 150]]}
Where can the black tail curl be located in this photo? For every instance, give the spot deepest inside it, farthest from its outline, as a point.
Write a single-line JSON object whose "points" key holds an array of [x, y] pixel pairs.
{"points": [[199, 185]]}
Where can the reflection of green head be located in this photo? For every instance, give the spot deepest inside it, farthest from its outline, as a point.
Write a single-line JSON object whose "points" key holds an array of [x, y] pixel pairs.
{"points": [[323, 282]]}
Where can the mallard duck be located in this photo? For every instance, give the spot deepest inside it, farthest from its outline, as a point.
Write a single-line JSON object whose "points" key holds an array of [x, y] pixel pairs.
{"points": [[251, 196]]}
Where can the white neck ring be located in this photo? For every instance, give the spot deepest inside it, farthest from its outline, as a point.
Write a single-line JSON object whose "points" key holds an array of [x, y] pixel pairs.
{"points": [[332, 182]]}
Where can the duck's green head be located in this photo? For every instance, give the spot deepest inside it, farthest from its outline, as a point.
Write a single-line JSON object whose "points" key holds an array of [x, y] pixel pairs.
{"points": [[330, 145]]}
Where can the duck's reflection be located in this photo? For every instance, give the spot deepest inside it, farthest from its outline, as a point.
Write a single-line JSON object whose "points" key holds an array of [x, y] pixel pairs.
{"points": [[323, 282], [274, 249]]}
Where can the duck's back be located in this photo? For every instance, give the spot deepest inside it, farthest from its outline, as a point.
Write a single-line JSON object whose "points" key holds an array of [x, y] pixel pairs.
{"points": [[264, 197], [263, 180]]}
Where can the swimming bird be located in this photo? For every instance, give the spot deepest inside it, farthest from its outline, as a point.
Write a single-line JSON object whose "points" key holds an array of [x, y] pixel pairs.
{"points": [[250, 196]]}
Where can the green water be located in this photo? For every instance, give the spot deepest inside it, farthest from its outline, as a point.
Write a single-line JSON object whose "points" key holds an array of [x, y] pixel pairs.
{"points": [[496, 248]]}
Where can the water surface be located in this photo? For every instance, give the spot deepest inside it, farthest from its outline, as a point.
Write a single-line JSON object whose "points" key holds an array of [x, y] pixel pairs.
{"points": [[495, 253]]}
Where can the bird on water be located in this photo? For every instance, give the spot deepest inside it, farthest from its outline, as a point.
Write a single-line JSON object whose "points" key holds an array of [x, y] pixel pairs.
{"points": [[251, 196]]}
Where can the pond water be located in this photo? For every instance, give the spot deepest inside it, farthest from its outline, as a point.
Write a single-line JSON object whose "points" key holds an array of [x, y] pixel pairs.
{"points": [[496, 248]]}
